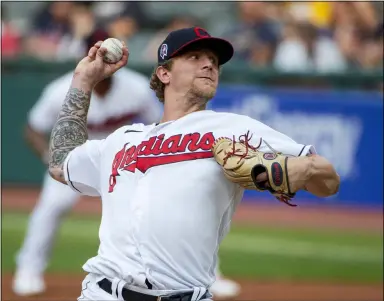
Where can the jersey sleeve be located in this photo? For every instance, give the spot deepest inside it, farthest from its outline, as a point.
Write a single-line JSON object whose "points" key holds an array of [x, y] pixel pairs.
{"points": [[272, 140], [82, 168], [43, 114]]}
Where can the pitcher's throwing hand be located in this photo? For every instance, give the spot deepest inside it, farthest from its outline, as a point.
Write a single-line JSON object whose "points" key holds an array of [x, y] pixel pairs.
{"points": [[92, 69]]}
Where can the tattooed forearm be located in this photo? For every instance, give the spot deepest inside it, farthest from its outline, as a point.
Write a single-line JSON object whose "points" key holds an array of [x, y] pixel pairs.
{"points": [[70, 129]]}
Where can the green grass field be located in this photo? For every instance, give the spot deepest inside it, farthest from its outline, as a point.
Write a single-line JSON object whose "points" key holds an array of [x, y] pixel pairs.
{"points": [[247, 252]]}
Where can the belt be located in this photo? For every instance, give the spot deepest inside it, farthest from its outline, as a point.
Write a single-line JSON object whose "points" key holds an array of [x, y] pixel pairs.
{"points": [[129, 295]]}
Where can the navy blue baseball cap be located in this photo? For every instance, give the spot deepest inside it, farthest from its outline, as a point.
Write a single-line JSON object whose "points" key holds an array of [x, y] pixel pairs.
{"points": [[182, 39]]}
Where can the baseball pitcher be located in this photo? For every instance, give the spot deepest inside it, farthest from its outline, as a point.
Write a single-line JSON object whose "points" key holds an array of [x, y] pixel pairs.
{"points": [[169, 189]]}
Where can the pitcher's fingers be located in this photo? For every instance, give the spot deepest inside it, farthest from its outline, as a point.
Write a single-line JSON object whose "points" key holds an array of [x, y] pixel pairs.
{"points": [[123, 61], [125, 54], [101, 53], [262, 177], [92, 52], [98, 44]]}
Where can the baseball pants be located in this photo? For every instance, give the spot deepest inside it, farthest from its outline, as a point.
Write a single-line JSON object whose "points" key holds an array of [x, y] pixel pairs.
{"points": [[92, 292], [55, 200]]}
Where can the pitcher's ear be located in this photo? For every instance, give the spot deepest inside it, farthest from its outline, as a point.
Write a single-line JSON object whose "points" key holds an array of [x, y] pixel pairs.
{"points": [[163, 74]]}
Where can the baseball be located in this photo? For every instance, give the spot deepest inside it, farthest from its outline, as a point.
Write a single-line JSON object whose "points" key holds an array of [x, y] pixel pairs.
{"points": [[114, 50]]}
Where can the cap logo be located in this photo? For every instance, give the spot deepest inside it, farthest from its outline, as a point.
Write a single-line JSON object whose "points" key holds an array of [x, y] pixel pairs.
{"points": [[163, 51], [201, 33]]}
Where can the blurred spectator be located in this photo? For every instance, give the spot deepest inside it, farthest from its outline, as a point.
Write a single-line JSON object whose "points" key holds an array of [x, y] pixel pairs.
{"points": [[150, 52], [256, 35], [318, 13], [355, 25], [371, 52], [304, 49], [108, 11], [82, 23], [122, 19], [10, 38], [49, 26], [122, 27], [345, 36]]}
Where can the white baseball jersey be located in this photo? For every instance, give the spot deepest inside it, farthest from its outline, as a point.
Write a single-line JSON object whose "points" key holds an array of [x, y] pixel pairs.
{"points": [[166, 204], [129, 100]]}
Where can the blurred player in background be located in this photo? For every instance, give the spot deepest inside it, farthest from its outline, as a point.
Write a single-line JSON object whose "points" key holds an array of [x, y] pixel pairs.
{"points": [[224, 288], [122, 99]]}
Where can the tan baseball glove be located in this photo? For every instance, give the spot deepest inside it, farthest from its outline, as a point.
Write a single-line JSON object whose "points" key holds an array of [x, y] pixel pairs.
{"points": [[244, 164]]}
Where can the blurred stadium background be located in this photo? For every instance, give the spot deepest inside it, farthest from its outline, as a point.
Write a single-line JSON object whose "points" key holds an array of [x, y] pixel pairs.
{"points": [[313, 70]]}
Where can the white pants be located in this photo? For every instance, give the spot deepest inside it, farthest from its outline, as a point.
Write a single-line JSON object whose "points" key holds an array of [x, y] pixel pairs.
{"points": [[55, 200], [91, 291]]}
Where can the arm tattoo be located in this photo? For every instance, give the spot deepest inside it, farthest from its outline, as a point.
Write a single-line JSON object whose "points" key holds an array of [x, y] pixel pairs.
{"points": [[70, 129]]}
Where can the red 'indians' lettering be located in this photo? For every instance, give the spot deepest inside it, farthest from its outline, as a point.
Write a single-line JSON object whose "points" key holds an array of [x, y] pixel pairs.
{"points": [[170, 150]]}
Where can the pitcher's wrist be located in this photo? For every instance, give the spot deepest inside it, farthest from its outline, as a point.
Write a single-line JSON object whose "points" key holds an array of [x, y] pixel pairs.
{"points": [[299, 172], [82, 82]]}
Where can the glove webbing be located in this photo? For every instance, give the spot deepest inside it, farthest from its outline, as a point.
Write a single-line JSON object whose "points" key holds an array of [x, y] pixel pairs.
{"points": [[245, 139]]}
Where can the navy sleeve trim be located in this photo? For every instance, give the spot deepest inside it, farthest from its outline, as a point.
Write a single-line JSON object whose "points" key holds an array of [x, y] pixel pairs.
{"points": [[299, 153], [69, 179]]}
